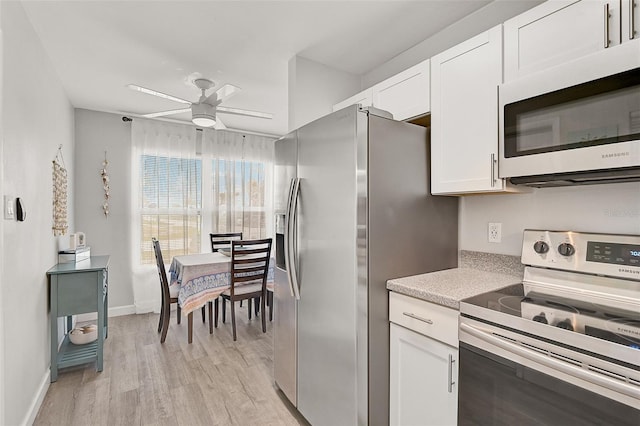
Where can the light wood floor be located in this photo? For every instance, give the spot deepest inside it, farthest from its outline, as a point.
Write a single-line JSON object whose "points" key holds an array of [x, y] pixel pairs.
{"points": [[213, 381]]}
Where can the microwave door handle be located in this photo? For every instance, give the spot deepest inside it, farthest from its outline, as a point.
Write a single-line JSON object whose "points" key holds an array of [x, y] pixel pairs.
{"points": [[287, 237], [568, 369]]}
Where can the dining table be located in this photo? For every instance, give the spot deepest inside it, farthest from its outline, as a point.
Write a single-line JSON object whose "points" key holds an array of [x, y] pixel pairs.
{"points": [[202, 277]]}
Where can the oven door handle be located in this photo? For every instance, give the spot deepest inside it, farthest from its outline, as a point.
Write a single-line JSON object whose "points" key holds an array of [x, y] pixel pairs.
{"points": [[569, 369]]}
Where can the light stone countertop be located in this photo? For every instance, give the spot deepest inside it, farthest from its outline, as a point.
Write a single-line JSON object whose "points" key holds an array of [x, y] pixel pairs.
{"points": [[449, 287]]}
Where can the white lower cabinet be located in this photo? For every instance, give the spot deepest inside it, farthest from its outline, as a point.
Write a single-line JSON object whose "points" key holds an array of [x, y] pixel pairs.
{"points": [[423, 372]]}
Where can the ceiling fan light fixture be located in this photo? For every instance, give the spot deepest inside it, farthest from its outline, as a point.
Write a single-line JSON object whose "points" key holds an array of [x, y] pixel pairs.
{"points": [[203, 115]]}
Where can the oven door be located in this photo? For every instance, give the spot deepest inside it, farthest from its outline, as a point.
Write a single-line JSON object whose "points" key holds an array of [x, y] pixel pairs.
{"points": [[503, 380], [578, 117]]}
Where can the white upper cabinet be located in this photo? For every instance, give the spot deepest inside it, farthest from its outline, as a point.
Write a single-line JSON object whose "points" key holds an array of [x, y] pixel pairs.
{"points": [[363, 98], [464, 116], [559, 31], [405, 95]]}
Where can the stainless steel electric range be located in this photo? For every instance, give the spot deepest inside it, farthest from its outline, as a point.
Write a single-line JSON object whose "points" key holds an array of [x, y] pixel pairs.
{"points": [[563, 347]]}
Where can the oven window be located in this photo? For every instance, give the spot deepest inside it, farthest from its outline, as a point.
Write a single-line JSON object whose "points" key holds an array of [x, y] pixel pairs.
{"points": [[494, 391], [599, 112]]}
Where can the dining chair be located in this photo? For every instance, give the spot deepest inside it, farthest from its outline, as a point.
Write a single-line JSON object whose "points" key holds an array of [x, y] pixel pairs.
{"points": [[270, 300], [219, 241], [169, 293], [249, 270]]}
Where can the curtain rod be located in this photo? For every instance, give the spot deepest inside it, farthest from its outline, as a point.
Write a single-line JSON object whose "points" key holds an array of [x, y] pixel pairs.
{"points": [[127, 119]]}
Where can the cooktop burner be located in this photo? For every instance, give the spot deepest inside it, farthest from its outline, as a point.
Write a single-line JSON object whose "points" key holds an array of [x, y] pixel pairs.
{"points": [[600, 321]]}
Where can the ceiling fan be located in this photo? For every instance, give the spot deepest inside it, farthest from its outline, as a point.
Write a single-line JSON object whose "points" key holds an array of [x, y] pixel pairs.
{"points": [[204, 111]]}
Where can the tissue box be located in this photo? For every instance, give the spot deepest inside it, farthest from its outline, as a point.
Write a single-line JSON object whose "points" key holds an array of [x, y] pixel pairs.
{"points": [[77, 255]]}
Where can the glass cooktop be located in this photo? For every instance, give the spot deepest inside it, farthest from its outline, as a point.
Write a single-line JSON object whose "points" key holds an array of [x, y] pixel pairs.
{"points": [[600, 321]]}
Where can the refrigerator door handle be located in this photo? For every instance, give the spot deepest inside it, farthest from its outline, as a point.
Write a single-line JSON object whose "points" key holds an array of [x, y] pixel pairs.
{"points": [[287, 237], [293, 239]]}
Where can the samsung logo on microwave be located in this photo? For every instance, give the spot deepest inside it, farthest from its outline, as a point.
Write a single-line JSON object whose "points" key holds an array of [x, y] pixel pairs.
{"points": [[616, 154], [629, 271], [628, 331]]}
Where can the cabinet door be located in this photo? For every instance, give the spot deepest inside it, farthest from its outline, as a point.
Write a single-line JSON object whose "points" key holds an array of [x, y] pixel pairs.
{"points": [[363, 98], [406, 94], [464, 115], [556, 32], [423, 380]]}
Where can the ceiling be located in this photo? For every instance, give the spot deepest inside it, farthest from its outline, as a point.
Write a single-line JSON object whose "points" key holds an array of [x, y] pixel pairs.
{"points": [[98, 47]]}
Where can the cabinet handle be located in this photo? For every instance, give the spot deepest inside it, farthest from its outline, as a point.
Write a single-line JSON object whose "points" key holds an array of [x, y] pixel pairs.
{"points": [[414, 316], [493, 169], [606, 25], [451, 382], [632, 20]]}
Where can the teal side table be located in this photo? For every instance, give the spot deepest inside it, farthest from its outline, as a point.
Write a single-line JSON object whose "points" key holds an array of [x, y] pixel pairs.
{"points": [[78, 288]]}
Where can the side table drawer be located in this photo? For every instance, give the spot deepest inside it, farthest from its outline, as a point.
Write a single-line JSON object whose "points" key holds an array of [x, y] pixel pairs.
{"points": [[77, 293], [429, 319]]}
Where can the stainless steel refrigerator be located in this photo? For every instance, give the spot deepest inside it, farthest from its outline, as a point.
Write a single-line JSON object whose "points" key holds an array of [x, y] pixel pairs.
{"points": [[353, 209]]}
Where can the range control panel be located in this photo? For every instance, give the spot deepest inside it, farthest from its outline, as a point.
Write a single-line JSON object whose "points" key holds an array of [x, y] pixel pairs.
{"points": [[618, 254], [612, 255]]}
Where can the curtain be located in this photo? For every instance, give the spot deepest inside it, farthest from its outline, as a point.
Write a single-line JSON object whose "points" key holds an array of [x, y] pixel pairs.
{"points": [[241, 182], [168, 191], [164, 204], [187, 183]]}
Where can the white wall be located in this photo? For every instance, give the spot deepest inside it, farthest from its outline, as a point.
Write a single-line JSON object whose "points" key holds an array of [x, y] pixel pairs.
{"points": [[611, 208], [36, 118], [314, 88], [97, 132]]}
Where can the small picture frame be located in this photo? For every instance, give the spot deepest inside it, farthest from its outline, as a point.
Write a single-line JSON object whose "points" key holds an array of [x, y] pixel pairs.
{"points": [[81, 240]]}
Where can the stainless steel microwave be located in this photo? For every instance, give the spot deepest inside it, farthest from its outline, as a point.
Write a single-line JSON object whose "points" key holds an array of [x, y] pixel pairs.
{"points": [[577, 123]]}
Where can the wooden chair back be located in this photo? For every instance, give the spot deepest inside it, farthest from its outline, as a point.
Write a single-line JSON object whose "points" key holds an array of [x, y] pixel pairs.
{"points": [[162, 273], [221, 240], [250, 263]]}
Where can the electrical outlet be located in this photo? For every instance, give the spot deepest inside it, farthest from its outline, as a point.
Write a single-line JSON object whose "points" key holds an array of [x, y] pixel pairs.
{"points": [[494, 234]]}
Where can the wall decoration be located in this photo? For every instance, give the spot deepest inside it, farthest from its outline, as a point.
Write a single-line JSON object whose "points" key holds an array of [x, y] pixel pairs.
{"points": [[105, 185], [60, 224]]}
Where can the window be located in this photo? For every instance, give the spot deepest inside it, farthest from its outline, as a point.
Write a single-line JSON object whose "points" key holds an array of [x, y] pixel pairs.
{"points": [[238, 190], [192, 183], [171, 205]]}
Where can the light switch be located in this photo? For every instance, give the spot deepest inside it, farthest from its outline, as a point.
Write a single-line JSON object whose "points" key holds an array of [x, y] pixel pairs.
{"points": [[9, 207]]}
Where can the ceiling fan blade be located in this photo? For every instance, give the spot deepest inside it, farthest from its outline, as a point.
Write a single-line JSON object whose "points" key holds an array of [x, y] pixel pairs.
{"points": [[163, 113], [238, 111], [222, 94], [156, 93]]}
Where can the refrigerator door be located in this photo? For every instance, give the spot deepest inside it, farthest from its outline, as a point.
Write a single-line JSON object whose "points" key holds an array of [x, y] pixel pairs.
{"points": [[327, 272], [285, 306]]}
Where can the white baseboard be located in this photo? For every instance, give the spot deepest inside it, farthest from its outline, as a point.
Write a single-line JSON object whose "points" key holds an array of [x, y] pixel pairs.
{"points": [[147, 306], [34, 407], [116, 311]]}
